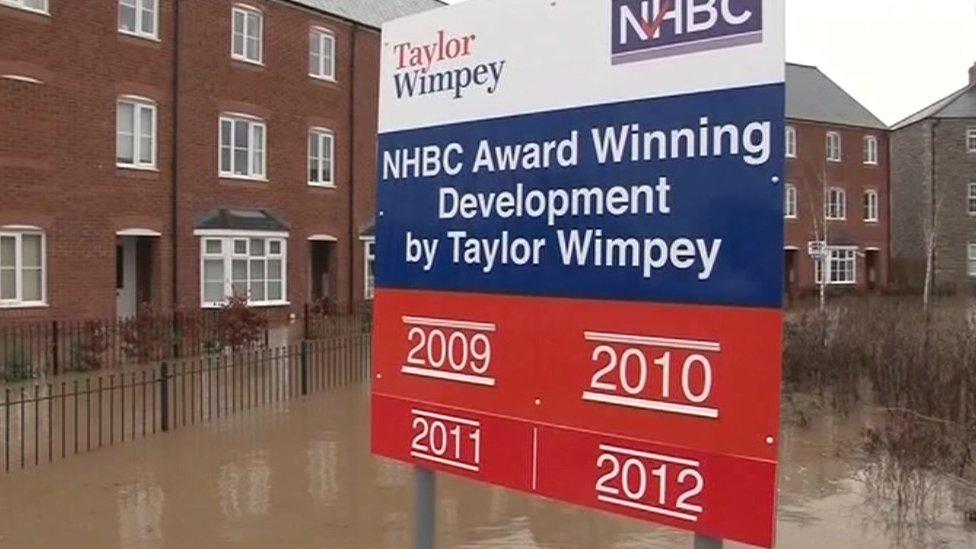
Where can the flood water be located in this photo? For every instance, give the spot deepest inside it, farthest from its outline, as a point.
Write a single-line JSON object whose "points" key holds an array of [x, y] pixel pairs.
{"points": [[299, 474]]}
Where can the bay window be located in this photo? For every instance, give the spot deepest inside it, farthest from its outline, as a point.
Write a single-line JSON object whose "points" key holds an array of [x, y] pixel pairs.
{"points": [[841, 263], [252, 266]]}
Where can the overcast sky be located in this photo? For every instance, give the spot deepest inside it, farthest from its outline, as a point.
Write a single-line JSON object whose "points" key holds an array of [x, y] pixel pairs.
{"points": [[895, 56]]}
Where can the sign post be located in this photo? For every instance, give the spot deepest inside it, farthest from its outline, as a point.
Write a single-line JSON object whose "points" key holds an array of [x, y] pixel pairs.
{"points": [[580, 253], [424, 508]]}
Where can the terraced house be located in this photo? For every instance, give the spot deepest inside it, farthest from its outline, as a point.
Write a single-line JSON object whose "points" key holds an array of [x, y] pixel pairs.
{"points": [[175, 152], [933, 178], [836, 196]]}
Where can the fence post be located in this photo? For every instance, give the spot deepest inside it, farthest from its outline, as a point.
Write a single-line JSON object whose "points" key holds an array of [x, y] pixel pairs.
{"points": [[176, 334], [164, 397], [304, 367], [54, 346], [305, 322]]}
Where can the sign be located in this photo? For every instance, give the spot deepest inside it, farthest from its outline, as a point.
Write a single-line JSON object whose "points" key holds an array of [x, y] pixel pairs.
{"points": [[579, 253], [816, 248]]}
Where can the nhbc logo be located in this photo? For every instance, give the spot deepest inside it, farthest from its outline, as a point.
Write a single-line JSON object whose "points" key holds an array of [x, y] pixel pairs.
{"points": [[651, 29], [419, 68]]}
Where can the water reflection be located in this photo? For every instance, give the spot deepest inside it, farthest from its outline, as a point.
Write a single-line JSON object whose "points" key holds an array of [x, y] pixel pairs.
{"points": [[140, 514], [245, 487], [302, 476]]}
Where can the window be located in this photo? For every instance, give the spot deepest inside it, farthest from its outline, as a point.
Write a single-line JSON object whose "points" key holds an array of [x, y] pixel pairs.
{"points": [[321, 54], [321, 149], [836, 206], [369, 255], [971, 259], [871, 206], [138, 17], [971, 202], [135, 133], [833, 147], [39, 6], [22, 267], [242, 146], [789, 207], [971, 140], [841, 266], [790, 142], [252, 266], [871, 150], [247, 37]]}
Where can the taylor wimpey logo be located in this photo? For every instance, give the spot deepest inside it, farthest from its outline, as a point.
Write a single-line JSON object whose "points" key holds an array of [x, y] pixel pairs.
{"points": [[649, 29], [429, 68]]}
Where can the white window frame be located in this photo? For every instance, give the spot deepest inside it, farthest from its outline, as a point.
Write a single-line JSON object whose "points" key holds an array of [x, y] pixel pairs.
{"points": [[246, 10], [834, 147], [369, 256], [18, 233], [253, 122], [971, 259], [323, 36], [971, 140], [871, 210], [19, 4], [138, 103], [790, 201], [791, 144], [228, 255], [870, 150], [319, 135], [140, 6], [835, 210], [834, 253], [971, 199]]}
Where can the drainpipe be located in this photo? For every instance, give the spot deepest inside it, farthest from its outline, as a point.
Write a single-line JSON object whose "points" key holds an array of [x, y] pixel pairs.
{"points": [[175, 167], [353, 237], [933, 206]]}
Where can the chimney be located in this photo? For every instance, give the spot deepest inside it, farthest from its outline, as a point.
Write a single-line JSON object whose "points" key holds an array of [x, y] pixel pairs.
{"points": [[972, 75]]}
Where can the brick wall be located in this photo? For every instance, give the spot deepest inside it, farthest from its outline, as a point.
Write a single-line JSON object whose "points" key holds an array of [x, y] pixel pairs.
{"points": [[57, 150], [807, 171]]}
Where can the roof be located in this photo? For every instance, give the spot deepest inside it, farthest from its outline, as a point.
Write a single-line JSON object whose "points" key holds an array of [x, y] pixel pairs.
{"points": [[372, 13], [369, 231], [242, 220], [959, 104], [812, 95]]}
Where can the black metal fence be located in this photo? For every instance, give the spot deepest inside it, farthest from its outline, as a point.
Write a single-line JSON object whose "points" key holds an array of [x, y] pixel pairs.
{"points": [[47, 422], [35, 349]]}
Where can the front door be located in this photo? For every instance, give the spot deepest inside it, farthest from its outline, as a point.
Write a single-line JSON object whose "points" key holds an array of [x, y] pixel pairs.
{"points": [[125, 277], [871, 269]]}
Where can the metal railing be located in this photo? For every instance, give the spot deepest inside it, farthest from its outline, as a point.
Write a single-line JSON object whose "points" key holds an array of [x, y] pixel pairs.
{"points": [[41, 349], [47, 422]]}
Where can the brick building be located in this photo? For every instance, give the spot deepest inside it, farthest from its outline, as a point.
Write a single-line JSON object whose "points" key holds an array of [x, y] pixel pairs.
{"points": [[837, 178], [933, 185], [175, 151]]}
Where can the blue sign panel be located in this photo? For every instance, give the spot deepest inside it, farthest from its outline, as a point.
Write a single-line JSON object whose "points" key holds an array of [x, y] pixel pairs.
{"points": [[674, 199]]}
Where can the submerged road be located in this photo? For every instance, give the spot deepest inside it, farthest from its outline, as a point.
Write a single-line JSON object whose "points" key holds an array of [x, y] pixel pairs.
{"points": [[299, 474]]}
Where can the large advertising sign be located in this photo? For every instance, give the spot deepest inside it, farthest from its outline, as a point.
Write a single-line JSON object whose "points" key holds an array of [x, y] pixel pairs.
{"points": [[579, 246]]}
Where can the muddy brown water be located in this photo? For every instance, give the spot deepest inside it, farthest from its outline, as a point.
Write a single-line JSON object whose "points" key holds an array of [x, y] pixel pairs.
{"points": [[299, 474]]}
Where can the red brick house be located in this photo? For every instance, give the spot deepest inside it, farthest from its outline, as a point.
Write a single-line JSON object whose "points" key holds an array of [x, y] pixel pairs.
{"points": [[173, 152], [837, 179]]}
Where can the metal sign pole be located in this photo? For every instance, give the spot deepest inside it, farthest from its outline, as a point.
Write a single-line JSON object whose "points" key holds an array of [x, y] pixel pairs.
{"points": [[705, 542], [424, 507]]}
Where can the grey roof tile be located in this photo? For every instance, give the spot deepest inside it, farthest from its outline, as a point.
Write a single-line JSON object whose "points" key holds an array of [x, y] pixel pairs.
{"points": [[959, 104], [812, 95], [372, 13]]}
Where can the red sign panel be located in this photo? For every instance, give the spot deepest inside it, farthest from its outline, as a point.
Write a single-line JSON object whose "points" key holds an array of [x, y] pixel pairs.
{"points": [[654, 411]]}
